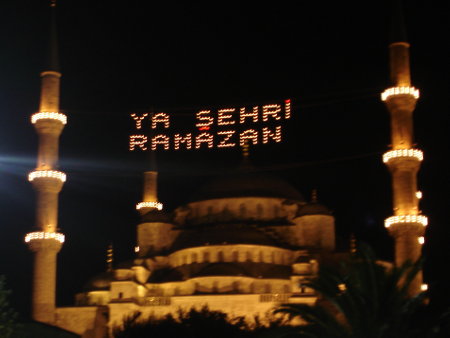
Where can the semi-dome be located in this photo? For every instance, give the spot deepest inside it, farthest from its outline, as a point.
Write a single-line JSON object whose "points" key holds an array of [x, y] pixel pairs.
{"points": [[102, 281], [165, 275], [247, 184]]}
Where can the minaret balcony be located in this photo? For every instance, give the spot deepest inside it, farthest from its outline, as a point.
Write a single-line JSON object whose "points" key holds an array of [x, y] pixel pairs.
{"points": [[394, 91], [155, 205], [49, 116], [403, 153], [40, 235], [59, 175], [418, 219]]}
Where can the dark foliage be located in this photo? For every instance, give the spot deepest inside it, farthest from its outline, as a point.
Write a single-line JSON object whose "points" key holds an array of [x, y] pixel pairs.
{"points": [[188, 324], [202, 323], [8, 316], [364, 298]]}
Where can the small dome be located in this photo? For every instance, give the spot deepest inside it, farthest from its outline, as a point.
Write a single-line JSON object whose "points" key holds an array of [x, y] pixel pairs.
{"points": [[102, 281], [302, 259], [313, 208], [247, 184]]}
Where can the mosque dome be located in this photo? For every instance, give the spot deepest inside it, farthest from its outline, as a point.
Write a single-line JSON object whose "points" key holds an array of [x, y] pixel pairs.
{"points": [[247, 183], [313, 208]]}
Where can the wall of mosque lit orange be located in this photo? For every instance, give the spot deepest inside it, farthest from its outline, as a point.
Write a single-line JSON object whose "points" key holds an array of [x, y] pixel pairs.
{"points": [[221, 128]]}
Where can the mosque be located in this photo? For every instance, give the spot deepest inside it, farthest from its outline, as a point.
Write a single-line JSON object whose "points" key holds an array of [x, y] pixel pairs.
{"points": [[243, 244]]}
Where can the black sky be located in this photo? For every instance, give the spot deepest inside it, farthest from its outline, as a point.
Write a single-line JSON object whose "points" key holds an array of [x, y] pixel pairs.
{"points": [[330, 58]]}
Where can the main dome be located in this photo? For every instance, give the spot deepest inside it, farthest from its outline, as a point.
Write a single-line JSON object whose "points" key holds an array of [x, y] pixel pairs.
{"points": [[247, 183]]}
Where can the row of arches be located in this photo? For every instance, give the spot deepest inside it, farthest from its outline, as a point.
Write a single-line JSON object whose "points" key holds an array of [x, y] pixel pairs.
{"points": [[242, 210], [231, 254], [221, 287]]}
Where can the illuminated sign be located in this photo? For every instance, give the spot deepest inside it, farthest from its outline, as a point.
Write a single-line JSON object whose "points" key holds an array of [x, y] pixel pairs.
{"points": [[222, 128]]}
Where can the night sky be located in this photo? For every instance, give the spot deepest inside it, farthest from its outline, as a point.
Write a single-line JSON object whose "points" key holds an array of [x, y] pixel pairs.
{"points": [[329, 58]]}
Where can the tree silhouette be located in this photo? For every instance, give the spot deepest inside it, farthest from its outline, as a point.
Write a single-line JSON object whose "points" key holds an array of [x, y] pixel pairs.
{"points": [[7, 315], [363, 297], [187, 324]]}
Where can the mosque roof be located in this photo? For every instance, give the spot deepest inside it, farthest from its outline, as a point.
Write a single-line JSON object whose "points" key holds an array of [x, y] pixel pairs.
{"points": [[247, 183], [313, 208]]}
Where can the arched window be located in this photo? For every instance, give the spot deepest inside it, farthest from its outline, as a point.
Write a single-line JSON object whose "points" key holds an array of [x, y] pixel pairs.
{"points": [[276, 211], [267, 288], [259, 211], [206, 258], [215, 287], [220, 256], [194, 257], [261, 257], [242, 210], [235, 256], [252, 288], [248, 256]]}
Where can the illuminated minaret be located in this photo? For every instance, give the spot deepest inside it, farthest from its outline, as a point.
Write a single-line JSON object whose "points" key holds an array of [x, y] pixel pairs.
{"points": [[47, 182], [150, 191], [407, 225], [151, 228]]}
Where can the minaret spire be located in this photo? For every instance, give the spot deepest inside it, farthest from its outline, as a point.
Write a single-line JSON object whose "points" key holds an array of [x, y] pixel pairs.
{"points": [[314, 196], [245, 148], [47, 182], [407, 224], [150, 190], [52, 57], [110, 257], [398, 27]]}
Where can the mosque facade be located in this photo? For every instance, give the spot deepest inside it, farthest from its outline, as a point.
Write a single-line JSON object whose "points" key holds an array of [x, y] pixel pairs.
{"points": [[244, 243]]}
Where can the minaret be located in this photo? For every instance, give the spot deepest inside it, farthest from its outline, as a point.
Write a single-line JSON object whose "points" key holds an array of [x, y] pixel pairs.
{"points": [[150, 191], [47, 182], [407, 224], [153, 232]]}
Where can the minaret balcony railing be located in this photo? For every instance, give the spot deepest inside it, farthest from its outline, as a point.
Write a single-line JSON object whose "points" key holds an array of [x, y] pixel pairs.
{"points": [[44, 235], [403, 153], [393, 91], [49, 116], [420, 219], [156, 205], [47, 174]]}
